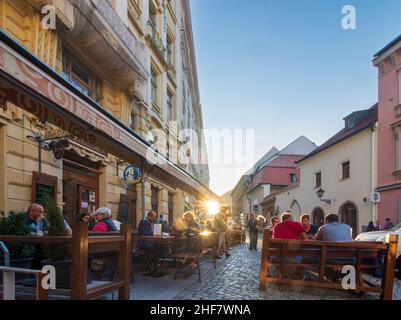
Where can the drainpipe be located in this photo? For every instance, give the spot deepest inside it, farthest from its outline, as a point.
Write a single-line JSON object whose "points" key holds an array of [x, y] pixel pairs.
{"points": [[374, 169]]}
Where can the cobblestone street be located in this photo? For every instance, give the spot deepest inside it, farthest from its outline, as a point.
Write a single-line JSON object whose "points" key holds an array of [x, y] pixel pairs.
{"points": [[237, 278]]}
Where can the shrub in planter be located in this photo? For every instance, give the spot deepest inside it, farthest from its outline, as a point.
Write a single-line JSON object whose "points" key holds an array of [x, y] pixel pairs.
{"points": [[58, 255], [20, 253]]}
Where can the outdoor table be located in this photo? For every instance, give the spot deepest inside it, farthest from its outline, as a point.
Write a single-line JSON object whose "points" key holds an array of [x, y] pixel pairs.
{"points": [[160, 240]]}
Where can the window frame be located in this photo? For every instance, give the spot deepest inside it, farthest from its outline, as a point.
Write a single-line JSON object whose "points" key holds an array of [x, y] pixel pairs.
{"points": [[343, 177], [318, 177], [93, 89]]}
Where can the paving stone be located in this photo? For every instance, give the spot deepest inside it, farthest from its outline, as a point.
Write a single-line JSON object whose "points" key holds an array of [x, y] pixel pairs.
{"points": [[237, 278]]}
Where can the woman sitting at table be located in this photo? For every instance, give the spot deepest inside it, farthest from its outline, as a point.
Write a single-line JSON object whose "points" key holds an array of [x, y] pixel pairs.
{"points": [[104, 223], [192, 230]]}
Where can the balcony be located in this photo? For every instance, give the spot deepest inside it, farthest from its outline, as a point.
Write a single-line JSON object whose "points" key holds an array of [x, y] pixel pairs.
{"points": [[99, 35], [155, 41]]}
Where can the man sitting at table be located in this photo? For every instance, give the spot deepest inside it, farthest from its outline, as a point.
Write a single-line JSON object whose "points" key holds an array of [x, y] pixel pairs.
{"points": [[35, 219], [288, 229], [334, 230], [145, 228]]}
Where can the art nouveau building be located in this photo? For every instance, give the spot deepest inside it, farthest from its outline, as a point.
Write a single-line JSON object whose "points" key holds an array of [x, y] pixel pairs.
{"points": [[112, 85]]}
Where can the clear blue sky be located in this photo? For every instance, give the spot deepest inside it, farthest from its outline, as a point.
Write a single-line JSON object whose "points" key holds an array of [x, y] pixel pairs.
{"points": [[286, 67]]}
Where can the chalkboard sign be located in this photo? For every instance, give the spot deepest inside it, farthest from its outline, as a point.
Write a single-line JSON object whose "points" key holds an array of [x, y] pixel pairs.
{"points": [[43, 186], [123, 209], [42, 192]]}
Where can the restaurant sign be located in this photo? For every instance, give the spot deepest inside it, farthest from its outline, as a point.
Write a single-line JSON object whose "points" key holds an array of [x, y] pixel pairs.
{"points": [[132, 174]]}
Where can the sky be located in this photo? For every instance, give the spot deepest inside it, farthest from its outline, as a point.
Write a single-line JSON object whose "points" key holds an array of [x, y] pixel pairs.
{"points": [[286, 68]]}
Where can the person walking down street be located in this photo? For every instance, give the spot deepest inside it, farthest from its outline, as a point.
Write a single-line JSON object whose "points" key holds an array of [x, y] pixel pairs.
{"points": [[220, 226], [253, 231]]}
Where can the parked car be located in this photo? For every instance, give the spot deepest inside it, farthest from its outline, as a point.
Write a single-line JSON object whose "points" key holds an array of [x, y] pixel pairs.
{"points": [[380, 236]]}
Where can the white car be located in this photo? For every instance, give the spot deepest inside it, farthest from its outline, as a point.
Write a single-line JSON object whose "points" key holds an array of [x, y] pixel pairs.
{"points": [[381, 236]]}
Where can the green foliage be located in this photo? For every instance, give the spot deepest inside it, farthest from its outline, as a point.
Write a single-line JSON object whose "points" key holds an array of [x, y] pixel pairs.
{"points": [[55, 228], [14, 224]]}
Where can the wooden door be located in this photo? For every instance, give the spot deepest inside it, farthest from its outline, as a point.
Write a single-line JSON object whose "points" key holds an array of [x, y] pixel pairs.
{"points": [[69, 200], [318, 217], [349, 216]]}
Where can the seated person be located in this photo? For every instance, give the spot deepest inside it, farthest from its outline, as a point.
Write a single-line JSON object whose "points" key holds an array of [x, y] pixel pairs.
{"points": [[104, 223], [35, 219], [145, 228], [338, 232], [310, 229], [334, 230], [193, 242], [288, 229]]}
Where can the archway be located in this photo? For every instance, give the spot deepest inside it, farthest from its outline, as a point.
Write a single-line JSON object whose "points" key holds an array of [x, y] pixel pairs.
{"points": [[318, 217], [296, 209], [349, 215]]}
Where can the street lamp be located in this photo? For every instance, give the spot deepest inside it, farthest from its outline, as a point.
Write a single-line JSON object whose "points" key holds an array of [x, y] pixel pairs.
{"points": [[320, 194]]}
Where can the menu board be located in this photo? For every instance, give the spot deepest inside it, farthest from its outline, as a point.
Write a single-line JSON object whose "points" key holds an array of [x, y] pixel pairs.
{"points": [[123, 210], [43, 186], [42, 192]]}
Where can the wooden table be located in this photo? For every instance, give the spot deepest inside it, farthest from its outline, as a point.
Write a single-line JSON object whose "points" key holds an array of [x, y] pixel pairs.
{"points": [[159, 240]]}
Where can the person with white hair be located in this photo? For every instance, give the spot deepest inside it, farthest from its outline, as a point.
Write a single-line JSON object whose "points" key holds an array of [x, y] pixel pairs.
{"points": [[104, 222]]}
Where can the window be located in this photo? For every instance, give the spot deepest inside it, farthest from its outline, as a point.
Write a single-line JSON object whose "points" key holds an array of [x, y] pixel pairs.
{"points": [[293, 178], [170, 106], [153, 81], [155, 199], [345, 170], [81, 77], [255, 208], [318, 177]]}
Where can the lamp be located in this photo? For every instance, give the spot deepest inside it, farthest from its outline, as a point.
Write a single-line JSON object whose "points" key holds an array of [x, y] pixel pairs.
{"points": [[320, 194]]}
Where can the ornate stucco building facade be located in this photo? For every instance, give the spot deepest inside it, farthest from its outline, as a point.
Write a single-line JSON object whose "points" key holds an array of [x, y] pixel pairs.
{"points": [[114, 84]]}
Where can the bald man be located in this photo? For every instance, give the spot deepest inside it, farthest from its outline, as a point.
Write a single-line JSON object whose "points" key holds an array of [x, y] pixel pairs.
{"points": [[35, 218]]}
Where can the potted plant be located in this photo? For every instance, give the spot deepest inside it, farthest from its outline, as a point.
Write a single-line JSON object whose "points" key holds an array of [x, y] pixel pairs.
{"points": [[58, 254], [21, 254]]}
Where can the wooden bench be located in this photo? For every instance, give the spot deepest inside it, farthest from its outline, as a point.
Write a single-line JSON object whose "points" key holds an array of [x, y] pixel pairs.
{"points": [[322, 256]]}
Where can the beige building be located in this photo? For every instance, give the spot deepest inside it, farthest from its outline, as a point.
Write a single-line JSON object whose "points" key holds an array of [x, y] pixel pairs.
{"points": [[342, 172], [124, 85]]}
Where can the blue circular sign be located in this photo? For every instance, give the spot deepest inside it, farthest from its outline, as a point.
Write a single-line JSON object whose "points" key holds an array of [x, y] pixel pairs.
{"points": [[132, 174]]}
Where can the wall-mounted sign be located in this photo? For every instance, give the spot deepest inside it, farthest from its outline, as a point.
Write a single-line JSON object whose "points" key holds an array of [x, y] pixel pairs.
{"points": [[132, 174], [374, 197]]}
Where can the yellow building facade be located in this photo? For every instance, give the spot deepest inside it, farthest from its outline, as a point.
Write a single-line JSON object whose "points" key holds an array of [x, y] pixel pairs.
{"points": [[132, 63]]}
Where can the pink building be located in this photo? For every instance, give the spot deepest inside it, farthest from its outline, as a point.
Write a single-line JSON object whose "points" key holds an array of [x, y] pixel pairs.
{"points": [[388, 62]]}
